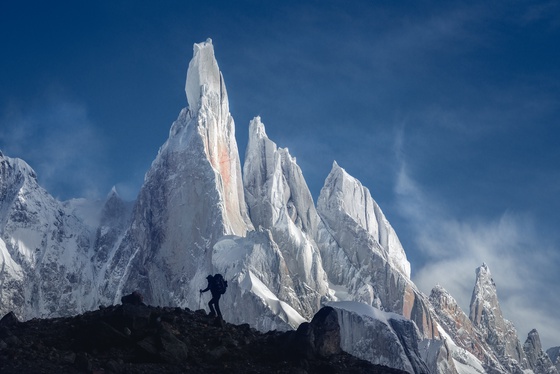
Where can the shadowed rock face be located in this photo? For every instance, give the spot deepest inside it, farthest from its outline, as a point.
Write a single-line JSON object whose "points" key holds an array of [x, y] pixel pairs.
{"points": [[319, 337], [142, 339], [554, 354], [537, 360]]}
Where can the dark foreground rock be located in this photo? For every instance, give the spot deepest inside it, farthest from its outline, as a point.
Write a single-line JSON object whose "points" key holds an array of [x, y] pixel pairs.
{"points": [[141, 339]]}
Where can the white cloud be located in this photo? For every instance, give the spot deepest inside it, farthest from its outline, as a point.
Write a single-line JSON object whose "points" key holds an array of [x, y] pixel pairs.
{"points": [[522, 260]]}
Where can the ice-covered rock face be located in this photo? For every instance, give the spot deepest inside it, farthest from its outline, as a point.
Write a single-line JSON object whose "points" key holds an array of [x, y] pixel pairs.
{"points": [[361, 253], [279, 200], [259, 282], [344, 198], [204, 77]]}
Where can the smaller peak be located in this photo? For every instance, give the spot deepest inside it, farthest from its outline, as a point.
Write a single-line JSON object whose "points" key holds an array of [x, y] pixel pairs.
{"points": [[533, 341], [206, 44], [337, 169], [482, 269], [438, 288], [533, 332], [113, 193], [256, 127], [440, 296], [203, 75]]}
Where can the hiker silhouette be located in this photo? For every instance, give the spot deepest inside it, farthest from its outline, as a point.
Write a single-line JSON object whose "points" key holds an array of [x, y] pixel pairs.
{"points": [[217, 286]]}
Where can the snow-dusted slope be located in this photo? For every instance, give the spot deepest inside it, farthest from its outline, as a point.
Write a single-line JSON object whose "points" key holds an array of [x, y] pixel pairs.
{"points": [[45, 248]]}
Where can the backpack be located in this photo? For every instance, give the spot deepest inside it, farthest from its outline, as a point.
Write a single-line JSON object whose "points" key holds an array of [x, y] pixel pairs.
{"points": [[220, 284]]}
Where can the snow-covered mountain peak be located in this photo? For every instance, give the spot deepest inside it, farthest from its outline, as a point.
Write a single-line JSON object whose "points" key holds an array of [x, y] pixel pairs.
{"points": [[256, 128], [346, 198], [112, 193], [203, 76], [16, 164]]}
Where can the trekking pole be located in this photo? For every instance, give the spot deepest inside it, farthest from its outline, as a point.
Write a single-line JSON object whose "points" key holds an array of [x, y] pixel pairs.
{"points": [[199, 299]]}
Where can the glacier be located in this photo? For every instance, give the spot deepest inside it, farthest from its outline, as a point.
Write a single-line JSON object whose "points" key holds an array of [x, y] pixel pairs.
{"points": [[199, 211]]}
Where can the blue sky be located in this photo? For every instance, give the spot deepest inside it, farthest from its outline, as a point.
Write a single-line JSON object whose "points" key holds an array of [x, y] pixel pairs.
{"points": [[448, 112]]}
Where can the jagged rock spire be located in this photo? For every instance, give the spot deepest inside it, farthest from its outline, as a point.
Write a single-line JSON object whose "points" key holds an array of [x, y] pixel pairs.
{"points": [[204, 77], [280, 201], [537, 359], [486, 315]]}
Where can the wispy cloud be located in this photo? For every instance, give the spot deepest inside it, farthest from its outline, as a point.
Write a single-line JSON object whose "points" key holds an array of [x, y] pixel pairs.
{"points": [[60, 142], [521, 258]]}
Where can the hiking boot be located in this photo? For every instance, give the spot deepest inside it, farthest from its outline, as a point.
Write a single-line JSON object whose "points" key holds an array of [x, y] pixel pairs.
{"points": [[211, 314]]}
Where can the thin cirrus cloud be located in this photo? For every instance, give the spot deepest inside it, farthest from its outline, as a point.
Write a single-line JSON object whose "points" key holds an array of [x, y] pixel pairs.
{"points": [[60, 143], [519, 256]]}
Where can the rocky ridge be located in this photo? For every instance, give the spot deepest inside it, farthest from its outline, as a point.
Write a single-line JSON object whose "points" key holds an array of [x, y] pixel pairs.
{"points": [[142, 339]]}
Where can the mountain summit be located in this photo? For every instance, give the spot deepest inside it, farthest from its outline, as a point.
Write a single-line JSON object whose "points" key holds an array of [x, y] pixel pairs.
{"points": [[284, 256]]}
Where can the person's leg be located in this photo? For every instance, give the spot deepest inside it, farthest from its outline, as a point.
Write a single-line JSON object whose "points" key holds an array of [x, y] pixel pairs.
{"points": [[218, 307], [211, 306]]}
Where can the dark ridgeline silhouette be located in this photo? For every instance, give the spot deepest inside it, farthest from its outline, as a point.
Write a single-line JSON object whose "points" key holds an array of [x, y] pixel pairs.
{"points": [[135, 298], [217, 287]]}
